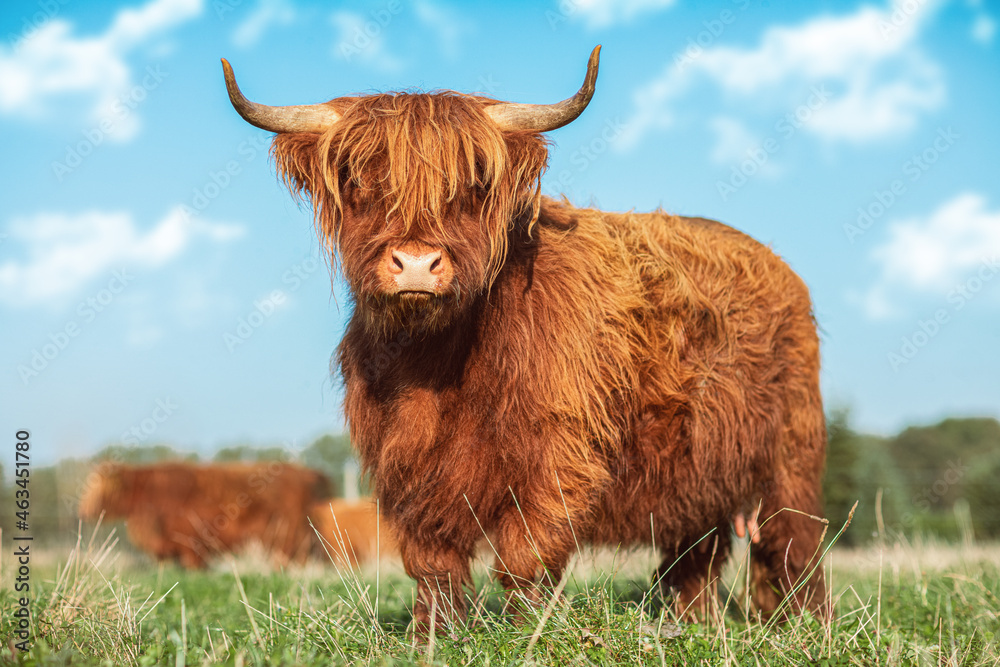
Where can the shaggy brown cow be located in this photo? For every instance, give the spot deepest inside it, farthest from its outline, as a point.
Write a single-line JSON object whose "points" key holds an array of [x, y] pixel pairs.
{"points": [[553, 375], [352, 532], [190, 512]]}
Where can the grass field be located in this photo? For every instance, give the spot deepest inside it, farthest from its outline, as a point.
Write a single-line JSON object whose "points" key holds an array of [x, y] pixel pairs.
{"points": [[98, 603]]}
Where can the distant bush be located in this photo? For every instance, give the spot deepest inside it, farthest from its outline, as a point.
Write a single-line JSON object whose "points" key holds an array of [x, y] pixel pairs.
{"points": [[983, 493], [922, 472]]}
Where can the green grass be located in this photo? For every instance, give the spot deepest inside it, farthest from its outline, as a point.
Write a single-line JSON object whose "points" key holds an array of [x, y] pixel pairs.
{"points": [[928, 604]]}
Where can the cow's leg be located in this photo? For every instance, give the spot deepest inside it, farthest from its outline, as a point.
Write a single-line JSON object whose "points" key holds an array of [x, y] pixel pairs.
{"points": [[532, 554], [787, 558], [786, 561], [442, 575], [691, 577]]}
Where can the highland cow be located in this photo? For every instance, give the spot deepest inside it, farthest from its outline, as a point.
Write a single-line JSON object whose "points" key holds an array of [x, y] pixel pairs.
{"points": [[551, 375], [352, 532], [191, 512]]}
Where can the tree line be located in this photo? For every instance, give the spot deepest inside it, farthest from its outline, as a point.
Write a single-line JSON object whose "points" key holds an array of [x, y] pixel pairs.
{"points": [[941, 480]]}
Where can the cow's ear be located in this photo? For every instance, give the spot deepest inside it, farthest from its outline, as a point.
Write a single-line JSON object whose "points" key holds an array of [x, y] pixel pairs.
{"points": [[297, 158]]}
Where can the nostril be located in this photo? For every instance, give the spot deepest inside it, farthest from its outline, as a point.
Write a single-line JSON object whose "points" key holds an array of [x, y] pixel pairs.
{"points": [[397, 263], [436, 264]]}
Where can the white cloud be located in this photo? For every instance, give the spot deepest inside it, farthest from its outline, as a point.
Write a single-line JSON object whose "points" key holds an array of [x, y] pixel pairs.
{"points": [[65, 251], [53, 62], [133, 26], [880, 81], [983, 28], [361, 39], [266, 14], [935, 254], [605, 13], [449, 27]]}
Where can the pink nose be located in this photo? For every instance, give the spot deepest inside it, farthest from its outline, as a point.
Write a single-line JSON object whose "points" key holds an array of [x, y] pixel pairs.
{"points": [[417, 273]]}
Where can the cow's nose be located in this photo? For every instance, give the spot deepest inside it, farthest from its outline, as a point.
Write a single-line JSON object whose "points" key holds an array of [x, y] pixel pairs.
{"points": [[417, 273]]}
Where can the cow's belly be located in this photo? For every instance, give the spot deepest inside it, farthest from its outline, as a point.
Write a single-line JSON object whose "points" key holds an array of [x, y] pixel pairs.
{"points": [[678, 478]]}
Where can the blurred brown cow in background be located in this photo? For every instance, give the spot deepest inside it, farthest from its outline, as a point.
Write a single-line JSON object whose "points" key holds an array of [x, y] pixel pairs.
{"points": [[190, 512], [352, 531]]}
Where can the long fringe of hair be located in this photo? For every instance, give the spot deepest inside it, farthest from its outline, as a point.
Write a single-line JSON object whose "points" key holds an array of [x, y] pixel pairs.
{"points": [[418, 158]]}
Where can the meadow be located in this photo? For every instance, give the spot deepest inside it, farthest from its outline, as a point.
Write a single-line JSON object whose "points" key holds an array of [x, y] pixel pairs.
{"points": [[898, 602]]}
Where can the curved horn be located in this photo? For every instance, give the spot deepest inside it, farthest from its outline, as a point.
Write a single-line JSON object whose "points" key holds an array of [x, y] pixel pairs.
{"points": [[545, 117], [301, 118]]}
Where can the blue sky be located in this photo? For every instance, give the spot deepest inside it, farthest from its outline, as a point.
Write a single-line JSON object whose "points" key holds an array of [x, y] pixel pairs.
{"points": [[157, 283]]}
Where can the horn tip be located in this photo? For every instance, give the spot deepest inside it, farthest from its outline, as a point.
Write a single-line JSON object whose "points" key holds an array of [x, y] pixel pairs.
{"points": [[227, 72], [592, 66]]}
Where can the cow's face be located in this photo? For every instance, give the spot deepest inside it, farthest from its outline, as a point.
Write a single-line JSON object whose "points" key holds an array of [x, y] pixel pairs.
{"points": [[419, 197], [413, 274], [416, 195]]}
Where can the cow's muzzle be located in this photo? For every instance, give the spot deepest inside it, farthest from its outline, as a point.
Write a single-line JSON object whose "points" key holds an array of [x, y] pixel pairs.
{"points": [[416, 268]]}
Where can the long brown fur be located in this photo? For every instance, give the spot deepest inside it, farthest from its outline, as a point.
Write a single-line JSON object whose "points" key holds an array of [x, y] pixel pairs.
{"points": [[590, 377], [193, 512]]}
